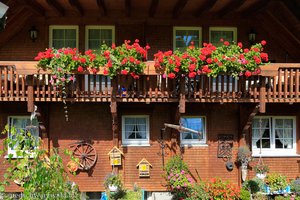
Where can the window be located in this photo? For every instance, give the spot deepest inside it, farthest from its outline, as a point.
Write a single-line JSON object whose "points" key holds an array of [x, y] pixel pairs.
{"points": [[135, 130], [183, 36], [95, 36], [63, 36], [194, 123], [22, 124], [274, 134], [227, 33]]}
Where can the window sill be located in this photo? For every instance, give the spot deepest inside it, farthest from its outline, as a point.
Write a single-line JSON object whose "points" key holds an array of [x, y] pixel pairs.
{"points": [[193, 145], [275, 155], [135, 145]]}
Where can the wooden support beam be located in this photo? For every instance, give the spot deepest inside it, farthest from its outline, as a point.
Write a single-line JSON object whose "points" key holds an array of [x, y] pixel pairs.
{"points": [[247, 124], [77, 6], [153, 8], [102, 7], [34, 6], [230, 7], [128, 8], [258, 6], [178, 8], [57, 7], [30, 93], [294, 7], [206, 6]]}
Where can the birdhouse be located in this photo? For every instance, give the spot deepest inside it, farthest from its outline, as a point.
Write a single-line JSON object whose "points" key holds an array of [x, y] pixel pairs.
{"points": [[115, 156], [144, 168]]}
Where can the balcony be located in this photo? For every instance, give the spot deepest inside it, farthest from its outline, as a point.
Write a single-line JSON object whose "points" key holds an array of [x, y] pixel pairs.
{"points": [[278, 82]]}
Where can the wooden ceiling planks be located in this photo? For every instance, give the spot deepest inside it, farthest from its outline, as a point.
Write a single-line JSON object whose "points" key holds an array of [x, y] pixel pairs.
{"points": [[75, 4], [206, 6], [128, 7], [178, 8], [102, 7], [56, 6], [153, 8], [230, 7]]}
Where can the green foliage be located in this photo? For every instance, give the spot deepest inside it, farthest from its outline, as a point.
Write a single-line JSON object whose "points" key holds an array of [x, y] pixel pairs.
{"points": [[198, 191], [276, 181], [295, 186], [132, 195], [282, 197], [261, 168], [244, 194], [113, 179], [254, 185], [41, 176], [177, 177], [259, 196]]}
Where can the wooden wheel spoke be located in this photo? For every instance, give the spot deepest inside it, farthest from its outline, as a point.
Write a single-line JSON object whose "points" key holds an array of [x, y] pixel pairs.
{"points": [[87, 158], [75, 154], [88, 163], [91, 150], [87, 155], [87, 148], [77, 149], [90, 155]]}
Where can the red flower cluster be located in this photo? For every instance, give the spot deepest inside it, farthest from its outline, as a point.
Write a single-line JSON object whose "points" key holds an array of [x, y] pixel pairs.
{"points": [[211, 60], [218, 189]]}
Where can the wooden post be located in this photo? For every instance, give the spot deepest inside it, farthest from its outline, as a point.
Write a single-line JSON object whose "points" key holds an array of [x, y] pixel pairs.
{"points": [[30, 94], [262, 95], [182, 95], [113, 110]]}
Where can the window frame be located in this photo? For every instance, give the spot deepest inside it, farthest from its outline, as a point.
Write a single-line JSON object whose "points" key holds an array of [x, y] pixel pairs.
{"points": [[9, 150], [135, 142], [52, 27], [186, 28], [223, 28], [88, 27], [195, 142], [273, 151]]}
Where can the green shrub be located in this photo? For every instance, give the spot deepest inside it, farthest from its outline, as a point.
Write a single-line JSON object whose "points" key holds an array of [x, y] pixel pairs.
{"points": [[276, 181], [259, 196], [295, 186], [254, 185], [198, 191], [244, 194]]}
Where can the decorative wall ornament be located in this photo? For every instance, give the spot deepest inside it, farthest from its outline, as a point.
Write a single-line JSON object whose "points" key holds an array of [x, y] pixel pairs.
{"points": [[115, 155], [225, 144], [144, 168]]}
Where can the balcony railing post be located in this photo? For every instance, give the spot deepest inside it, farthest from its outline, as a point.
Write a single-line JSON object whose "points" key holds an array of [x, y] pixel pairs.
{"points": [[262, 95], [182, 95], [30, 93]]}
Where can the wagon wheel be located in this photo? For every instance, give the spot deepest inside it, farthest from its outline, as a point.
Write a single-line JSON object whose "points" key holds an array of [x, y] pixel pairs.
{"points": [[86, 154]]}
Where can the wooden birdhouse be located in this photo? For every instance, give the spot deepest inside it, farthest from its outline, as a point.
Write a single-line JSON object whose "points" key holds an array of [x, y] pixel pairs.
{"points": [[144, 168], [115, 156]]}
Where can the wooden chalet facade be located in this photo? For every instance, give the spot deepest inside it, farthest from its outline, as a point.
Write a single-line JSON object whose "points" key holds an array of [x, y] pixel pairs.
{"points": [[100, 108]]}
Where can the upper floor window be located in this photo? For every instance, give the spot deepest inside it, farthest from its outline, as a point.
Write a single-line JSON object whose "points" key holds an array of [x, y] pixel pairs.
{"points": [[135, 130], [95, 36], [196, 124], [274, 134], [21, 125], [226, 33], [184, 36], [63, 36]]}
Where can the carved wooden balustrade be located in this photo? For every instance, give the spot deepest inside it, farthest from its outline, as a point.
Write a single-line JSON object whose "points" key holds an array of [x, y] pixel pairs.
{"points": [[277, 83]]}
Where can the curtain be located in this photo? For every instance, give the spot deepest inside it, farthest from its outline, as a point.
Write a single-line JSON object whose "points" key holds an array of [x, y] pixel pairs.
{"points": [[259, 130], [129, 128], [141, 128], [284, 132]]}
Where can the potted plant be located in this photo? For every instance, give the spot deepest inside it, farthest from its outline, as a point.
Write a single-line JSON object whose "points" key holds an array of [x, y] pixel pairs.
{"points": [[244, 157], [261, 170], [276, 184], [113, 182]]}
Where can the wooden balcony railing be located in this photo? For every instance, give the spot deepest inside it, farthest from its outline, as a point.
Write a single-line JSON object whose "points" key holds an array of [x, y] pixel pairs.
{"points": [[277, 83]]}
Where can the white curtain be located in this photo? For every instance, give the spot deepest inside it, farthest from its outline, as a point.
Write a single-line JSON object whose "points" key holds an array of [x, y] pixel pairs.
{"points": [[141, 128], [259, 127], [284, 132], [129, 128]]}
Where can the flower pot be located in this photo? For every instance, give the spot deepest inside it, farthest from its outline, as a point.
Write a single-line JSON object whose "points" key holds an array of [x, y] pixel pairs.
{"points": [[260, 176], [113, 188], [244, 172]]}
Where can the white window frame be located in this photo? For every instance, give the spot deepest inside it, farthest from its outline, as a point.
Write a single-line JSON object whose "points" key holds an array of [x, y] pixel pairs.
{"points": [[222, 28], [135, 142], [9, 150], [186, 28], [87, 28], [195, 142], [272, 151], [52, 27]]}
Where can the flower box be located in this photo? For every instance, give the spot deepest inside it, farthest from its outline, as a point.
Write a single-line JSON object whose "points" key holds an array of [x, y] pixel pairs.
{"points": [[287, 189]]}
